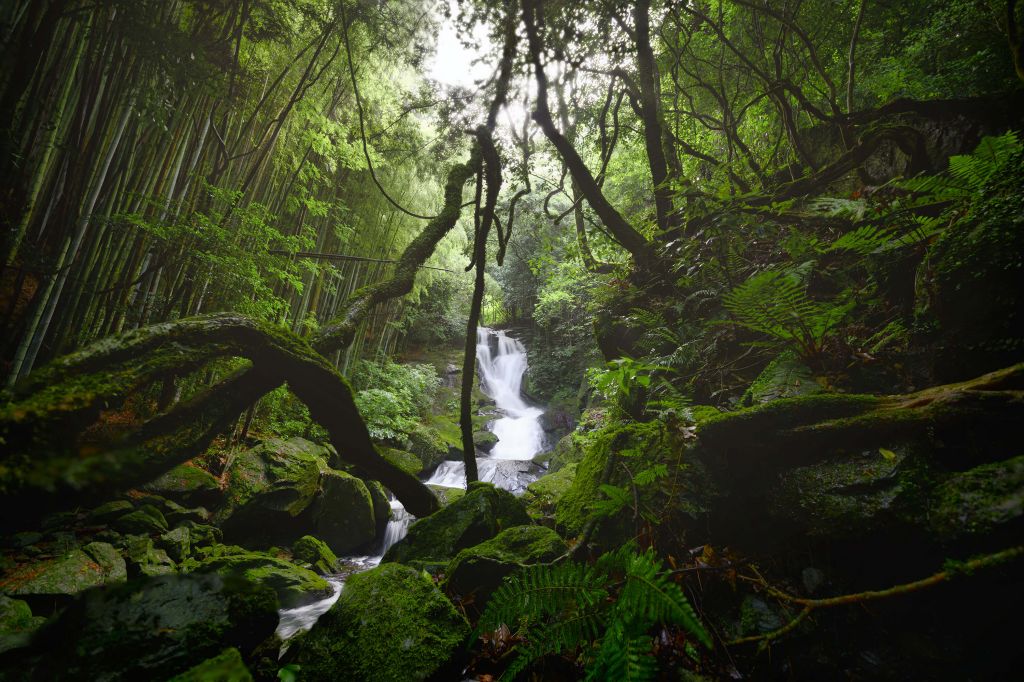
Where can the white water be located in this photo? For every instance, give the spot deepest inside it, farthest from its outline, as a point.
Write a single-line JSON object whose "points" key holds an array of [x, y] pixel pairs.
{"points": [[520, 437]]}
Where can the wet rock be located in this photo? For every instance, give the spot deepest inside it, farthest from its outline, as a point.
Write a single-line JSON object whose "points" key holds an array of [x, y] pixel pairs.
{"points": [[484, 440], [542, 496], [293, 584], [146, 520], [406, 461], [95, 564], [149, 628], [479, 515], [477, 571], [16, 623], [343, 515], [428, 445], [390, 623], [381, 506], [188, 485], [446, 495], [227, 667], [567, 451], [316, 553], [512, 475]]}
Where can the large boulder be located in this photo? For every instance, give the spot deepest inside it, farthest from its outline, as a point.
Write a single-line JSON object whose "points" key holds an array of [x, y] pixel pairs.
{"points": [[390, 623], [477, 571], [92, 565], [542, 495], [16, 623], [315, 552], [188, 485], [293, 584], [281, 490], [151, 628], [427, 444], [479, 515], [406, 461], [227, 667], [343, 515]]}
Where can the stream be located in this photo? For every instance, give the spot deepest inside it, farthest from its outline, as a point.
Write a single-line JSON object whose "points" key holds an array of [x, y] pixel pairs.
{"points": [[501, 364]]}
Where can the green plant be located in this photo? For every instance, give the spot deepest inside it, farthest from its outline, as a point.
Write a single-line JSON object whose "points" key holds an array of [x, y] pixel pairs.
{"points": [[608, 609], [775, 303]]}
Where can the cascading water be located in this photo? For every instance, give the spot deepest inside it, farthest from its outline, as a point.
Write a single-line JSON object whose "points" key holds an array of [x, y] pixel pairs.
{"points": [[509, 466], [501, 365]]}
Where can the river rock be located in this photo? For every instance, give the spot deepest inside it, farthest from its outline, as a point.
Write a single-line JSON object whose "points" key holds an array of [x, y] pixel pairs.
{"points": [[381, 507], [95, 564], [188, 485], [477, 571], [227, 667], [428, 445], [390, 623], [513, 475], [406, 461], [316, 553], [568, 450], [484, 440], [16, 623], [294, 585], [343, 515], [542, 496], [149, 628], [479, 515]]}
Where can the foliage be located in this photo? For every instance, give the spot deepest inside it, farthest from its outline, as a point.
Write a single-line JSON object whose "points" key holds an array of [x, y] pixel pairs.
{"points": [[391, 397], [608, 608]]}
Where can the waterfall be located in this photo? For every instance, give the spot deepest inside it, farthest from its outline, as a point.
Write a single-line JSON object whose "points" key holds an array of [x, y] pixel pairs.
{"points": [[519, 432]]}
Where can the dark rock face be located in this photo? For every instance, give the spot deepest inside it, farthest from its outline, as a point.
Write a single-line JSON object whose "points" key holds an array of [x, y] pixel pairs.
{"points": [[390, 623], [150, 628]]}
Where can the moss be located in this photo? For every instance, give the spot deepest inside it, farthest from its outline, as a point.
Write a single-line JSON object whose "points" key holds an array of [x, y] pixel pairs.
{"points": [[316, 553], [406, 461], [146, 520], [343, 515], [227, 667], [187, 483], [568, 450], [784, 377], [980, 500], [294, 585], [390, 623], [479, 570], [447, 495], [16, 623], [95, 564], [477, 516], [449, 433], [484, 440], [703, 413], [542, 495], [111, 510], [427, 444]]}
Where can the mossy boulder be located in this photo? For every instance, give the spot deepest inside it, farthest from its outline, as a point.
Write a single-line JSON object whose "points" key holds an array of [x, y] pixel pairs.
{"points": [[176, 542], [381, 506], [477, 571], [145, 559], [94, 564], [105, 513], [343, 516], [568, 450], [427, 444], [542, 496], [446, 495], [983, 500], [293, 584], [227, 667], [149, 628], [202, 533], [390, 623], [189, 485], [477, 516], [16, 623], [484, 440], [146, 520], [316, 553], [406, 461], [451, 435]]}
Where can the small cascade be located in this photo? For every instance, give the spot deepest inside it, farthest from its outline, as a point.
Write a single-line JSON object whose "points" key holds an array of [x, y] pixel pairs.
{"points": [[302, 618], [397, 526], [520, 435]]}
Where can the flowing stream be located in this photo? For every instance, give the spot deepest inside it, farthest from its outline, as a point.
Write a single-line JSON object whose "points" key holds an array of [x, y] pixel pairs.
{"points": [[501, 363]]}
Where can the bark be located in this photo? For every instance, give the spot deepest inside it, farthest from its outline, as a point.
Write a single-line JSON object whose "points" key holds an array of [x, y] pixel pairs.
{"points": [[53, 461]]}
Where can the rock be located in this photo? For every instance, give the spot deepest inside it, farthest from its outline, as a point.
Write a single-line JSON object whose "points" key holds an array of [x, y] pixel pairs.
{"points": [[202, 534], [227, 667], [542, 496], [512, 475], [146, 520], [343, 516], [450, 435], [477, 571], [406, 461], [294, 585], [390, 623], [484, 440], [479, 515], [149, 628], [982, 500], [16, 623], [145, 559], [381, 507], [316, 553], [188, 485], [176, 543], [176, 514], [446, 495], [427, 444], [568, 450], [105, 513], [95, 564], [270, 490]]}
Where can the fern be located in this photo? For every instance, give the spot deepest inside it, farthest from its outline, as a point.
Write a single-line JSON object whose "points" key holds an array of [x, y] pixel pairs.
{"points": [[774, 303], [614, 604]]}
